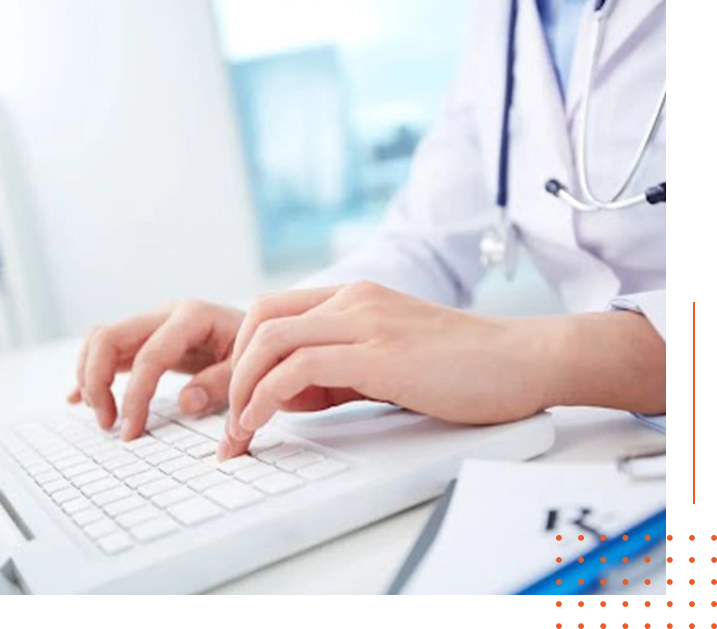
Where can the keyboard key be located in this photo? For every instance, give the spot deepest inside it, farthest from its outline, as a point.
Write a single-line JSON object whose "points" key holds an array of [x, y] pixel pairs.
{"points": [[324, 469], [99, 448], [87, 516], [167, 454], [79, 470], [171, 433], [232, 465], [100, 528], [177, 464], [172, 496], [233, 495], [158, 486], [189, 442], [90, 477], [124, 505], [194, 511], [122, 460], [208, 448], [297, 461], [277, 483], [262, 442], [64, 495], [139, 443], [99, 486], [47, 477], [211, 426], [60, 455], [106, 497], [131, 470], [115, 543], [109, 454], [154, 529], [252, 472], [272, 455], [142, 479], [70, 461], [188, 473], [151, 449], [133, 518], [75, 505], [39, 468], [55, 486], [200, 483]]}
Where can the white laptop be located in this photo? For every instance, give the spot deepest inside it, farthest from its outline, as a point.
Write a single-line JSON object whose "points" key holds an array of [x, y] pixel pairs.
{"points": [[83, 512]]}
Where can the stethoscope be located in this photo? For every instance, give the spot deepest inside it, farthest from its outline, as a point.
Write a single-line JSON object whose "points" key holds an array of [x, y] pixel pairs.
{"points": [[497, 243]]}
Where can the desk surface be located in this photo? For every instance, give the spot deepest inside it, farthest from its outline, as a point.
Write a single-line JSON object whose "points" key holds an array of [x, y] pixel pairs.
{"points": [[362, 562]]}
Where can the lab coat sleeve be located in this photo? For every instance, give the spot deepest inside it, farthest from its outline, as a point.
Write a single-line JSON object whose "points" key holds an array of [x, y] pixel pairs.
{"points": [[429, 242], [651, 305]]}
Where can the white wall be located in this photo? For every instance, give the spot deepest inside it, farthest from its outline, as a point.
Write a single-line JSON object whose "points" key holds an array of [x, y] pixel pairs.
{"points": [[120, 120]]}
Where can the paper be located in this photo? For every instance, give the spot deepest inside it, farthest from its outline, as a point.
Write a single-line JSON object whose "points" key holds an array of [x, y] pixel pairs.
{"points": [[499, 534]]}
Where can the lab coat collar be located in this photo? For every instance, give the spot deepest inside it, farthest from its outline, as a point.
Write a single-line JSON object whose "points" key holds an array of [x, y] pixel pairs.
{"points": [[622, 32]]}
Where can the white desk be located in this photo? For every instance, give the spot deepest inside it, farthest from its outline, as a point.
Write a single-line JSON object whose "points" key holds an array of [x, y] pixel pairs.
{"points": [[359, 563]]}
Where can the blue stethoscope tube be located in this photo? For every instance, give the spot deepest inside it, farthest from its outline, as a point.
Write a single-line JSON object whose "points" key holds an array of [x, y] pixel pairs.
{"points": [[653, 195]]}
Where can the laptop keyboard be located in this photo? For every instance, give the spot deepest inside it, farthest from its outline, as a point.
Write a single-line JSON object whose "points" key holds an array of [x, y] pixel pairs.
{"points": [[121, 495]]}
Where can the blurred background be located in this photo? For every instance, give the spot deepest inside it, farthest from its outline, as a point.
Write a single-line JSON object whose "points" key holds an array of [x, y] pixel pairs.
{"points": [[156, 150]]}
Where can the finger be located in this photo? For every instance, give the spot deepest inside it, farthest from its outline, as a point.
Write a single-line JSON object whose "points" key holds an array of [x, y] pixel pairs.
{"points": [[319, 399], [286, 304], [207, 391], [164, 349], [273, 341], [82, 362], [99, 375], [75, 397], [103, 355], [332, 366]]}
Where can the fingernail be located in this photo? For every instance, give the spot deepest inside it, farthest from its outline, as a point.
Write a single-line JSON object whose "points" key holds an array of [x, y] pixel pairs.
{"points": [[126, 430], [224, 451], [195, 399], [239, 431]]}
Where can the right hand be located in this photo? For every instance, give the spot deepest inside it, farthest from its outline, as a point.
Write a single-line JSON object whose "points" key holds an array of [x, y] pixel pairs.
{"points": [[192, 337]]}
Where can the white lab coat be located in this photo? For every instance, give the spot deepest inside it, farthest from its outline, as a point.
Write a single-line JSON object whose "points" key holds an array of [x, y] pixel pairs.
{"points": [[430, 243]]}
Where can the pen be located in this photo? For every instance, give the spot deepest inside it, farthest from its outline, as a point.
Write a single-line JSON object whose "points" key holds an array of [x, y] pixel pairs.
{"points": [[604, 558]]}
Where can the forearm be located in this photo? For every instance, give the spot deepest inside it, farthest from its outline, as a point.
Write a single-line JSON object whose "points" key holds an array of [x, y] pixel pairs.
{"points": [[611, 359]]}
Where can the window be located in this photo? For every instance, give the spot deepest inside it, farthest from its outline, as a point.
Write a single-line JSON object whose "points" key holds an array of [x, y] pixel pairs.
{"points": [[331, 99]]}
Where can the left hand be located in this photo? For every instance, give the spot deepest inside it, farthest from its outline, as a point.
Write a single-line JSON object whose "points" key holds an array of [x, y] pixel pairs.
{"points": [[309, 350]]}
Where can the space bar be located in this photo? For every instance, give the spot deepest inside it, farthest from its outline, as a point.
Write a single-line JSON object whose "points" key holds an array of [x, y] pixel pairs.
{"points": [[211, 426]]}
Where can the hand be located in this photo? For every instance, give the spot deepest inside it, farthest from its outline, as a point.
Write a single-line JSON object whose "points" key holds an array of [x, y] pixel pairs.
{"points": [[313, 349], [191, 337]]}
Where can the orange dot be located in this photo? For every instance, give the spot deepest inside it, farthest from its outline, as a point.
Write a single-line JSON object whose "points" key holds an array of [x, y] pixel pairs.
{"points": [[624, 538], [714, 559], [669, 603], [559, 604], [602, 538], [558, 537], [624, 625], [669, 538], [603, 581], [647, 603], [625, 603], [647, 537], [692, 581], [647, 625], [692, 603], [580, 582], [714, 537], [692, 538], [669, 625], [692, 559], [669, 560], [558, 559], [669, 581], [603, 625], [647, 560], [581, 537], [580, 626], [602, 603], [558, 582], [714, 603], [581, 559], [558, 626], [625, 560], [714, 582], [647, 581], [580, 603], [625, 581], [602, 559], [692, 625]]}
